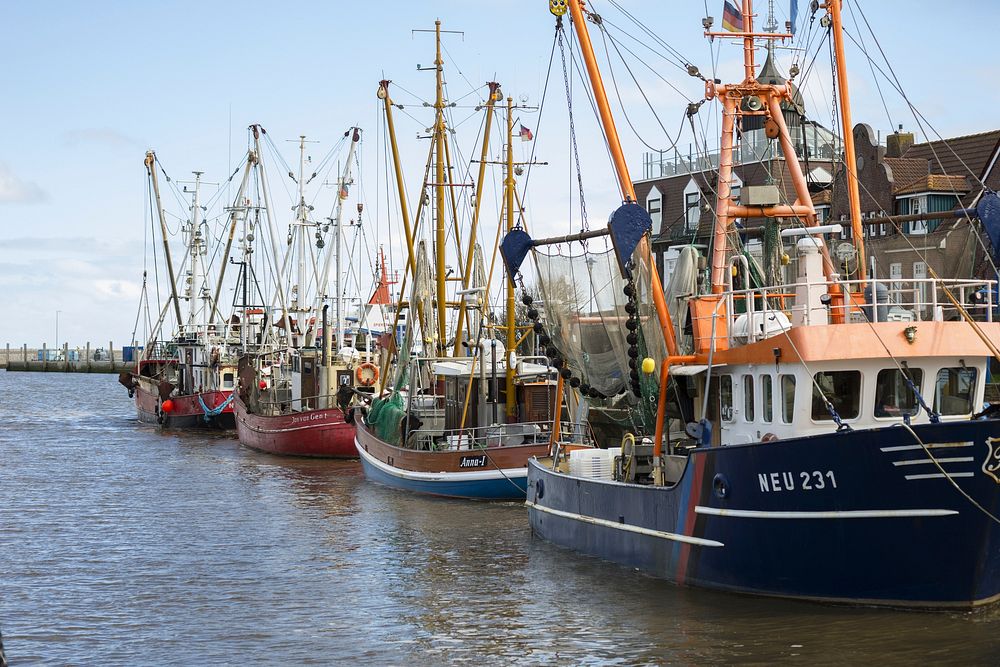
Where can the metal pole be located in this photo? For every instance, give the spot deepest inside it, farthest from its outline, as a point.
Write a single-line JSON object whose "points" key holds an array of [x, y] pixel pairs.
{"points": [[621, 168], [511, 402], [439, 139], [850, 158], [467, 275], [150, 163]]}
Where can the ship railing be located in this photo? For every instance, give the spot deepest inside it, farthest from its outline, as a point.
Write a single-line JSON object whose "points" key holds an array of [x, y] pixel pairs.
{"points": [[270, 408], [749, 315], [500, 435]]}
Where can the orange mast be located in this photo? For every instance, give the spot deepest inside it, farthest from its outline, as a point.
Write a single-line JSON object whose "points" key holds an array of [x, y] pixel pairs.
{"points": [[621, 168], [760, 100], [850, 159]]}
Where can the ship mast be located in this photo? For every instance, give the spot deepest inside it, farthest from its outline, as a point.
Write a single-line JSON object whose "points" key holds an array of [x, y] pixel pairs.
{"points": [[439, 139], [195, 249], [621, 168], [150, 163], [342, 185], [511, 405], [833, 7], [750, 97], [494, 93]]}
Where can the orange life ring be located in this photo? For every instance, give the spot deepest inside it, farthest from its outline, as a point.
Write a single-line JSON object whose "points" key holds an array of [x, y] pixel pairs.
{"points": [[366, 374]]}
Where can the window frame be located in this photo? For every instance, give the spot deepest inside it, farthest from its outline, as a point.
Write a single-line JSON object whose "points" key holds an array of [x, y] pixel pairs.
{"points": [[787, 410], [918, 380], [973, 390], [821, 415]]}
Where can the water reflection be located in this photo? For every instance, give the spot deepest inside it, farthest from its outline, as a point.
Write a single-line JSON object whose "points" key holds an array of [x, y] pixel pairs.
{"points": [[123, 544]]}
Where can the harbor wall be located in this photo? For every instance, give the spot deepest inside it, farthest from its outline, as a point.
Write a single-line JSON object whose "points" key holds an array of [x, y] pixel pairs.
{"points": [[66, 359]]}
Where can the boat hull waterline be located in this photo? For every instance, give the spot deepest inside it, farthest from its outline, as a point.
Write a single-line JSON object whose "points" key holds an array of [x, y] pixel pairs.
{"points": [[312, 433], [499, 473], [860, 517], [187, 412]]}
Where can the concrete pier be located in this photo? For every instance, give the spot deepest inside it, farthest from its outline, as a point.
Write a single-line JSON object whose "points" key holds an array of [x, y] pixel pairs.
{"points": [[85, 359]]}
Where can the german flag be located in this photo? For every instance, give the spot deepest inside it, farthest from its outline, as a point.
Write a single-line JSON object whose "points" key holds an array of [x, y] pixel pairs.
{"points": [[732, 19]]}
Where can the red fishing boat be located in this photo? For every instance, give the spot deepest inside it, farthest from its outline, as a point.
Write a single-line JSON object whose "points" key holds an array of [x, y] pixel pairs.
{"points": [[186, 379], [293, 391]]}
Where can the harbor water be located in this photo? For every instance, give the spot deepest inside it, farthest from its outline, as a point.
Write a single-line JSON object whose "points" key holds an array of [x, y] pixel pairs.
{"points": [[121, 544]]}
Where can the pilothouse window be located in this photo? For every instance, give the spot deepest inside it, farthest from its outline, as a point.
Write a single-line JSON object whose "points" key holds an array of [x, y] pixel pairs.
{"points": [[767, 398], [787, 398], [953, 391], [893, 396], [842, 389], [726, 397]]}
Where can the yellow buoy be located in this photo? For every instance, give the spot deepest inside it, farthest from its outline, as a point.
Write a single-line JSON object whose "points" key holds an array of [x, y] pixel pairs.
{"points": [[648, 365]]}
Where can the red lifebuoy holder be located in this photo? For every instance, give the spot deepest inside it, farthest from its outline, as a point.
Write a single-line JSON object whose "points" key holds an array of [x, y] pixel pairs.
{"points": [[366, 374]]}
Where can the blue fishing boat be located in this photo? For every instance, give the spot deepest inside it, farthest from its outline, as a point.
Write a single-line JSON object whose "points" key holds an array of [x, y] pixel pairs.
{"points": [[835, 442]]}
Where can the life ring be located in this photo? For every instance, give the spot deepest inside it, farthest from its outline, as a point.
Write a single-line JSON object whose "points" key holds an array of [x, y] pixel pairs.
{"points": [[366, 374]]}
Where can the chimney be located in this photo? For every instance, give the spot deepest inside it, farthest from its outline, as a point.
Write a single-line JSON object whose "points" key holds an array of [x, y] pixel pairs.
{"points": [[897, 143]]}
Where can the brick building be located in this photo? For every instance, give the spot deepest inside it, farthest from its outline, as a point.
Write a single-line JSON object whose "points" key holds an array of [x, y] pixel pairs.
{"points": [[898, 177]]}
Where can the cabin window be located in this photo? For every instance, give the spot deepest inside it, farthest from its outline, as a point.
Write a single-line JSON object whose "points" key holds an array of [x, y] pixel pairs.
{"points": [[842, 389], [953, 391], [748, 414], [787, 398], [893, 396], [227, 380], [766, 393], [726, 397]]}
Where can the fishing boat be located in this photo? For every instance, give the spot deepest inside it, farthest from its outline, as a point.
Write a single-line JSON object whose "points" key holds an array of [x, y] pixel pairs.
{"points": [[466, 410], [186, 379], [295, 390], [830, 453]]}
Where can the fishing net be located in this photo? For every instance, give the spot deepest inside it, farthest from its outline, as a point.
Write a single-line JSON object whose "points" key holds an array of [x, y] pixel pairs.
{"points": [[586, 304], [386, 415]]}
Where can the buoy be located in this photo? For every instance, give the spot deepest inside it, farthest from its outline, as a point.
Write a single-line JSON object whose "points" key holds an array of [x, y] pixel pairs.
{"points": [[648, 365], [262, 384], [167, 406]]}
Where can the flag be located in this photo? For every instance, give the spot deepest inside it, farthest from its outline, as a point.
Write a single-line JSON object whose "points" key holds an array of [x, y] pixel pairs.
{"points": [[525, 134], [732, 19], [793, 13]]}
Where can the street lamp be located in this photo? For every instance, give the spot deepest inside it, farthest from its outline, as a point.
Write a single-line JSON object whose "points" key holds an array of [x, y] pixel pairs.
{"points": [[57, 329]]}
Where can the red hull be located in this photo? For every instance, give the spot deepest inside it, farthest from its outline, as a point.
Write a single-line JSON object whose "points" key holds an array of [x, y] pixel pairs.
{"points": [[317, 433], [187, 411]]}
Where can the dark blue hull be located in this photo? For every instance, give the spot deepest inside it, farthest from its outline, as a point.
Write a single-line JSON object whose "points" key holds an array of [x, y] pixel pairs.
{"points": [[863, 517]]}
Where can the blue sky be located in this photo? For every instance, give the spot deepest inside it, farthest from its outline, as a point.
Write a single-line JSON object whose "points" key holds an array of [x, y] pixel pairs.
{"points": [[89, 87]]}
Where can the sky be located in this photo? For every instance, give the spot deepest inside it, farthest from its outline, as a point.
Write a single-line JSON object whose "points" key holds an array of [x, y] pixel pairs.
{"points": [[88, 88]]}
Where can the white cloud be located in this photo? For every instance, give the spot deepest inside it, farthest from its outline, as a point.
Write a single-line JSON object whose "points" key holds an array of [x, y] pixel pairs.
{"points": [[13, 190], [123, 291]]}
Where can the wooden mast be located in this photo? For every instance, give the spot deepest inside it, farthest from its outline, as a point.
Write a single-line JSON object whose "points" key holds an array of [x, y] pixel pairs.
{"points": [[467, 274], [621, 168], [509, 206], [439, 242]]}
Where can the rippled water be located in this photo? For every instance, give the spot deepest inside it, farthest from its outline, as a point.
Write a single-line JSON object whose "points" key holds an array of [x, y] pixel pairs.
{"points": [[120, 544]]}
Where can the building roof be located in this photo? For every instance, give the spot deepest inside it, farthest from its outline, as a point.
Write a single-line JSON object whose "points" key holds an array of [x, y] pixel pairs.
{"points": [[905, 171], [936, 183], [975, 151]]}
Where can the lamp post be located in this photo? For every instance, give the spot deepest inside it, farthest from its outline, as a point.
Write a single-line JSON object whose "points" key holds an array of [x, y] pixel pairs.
{"points": [[57, 329]]}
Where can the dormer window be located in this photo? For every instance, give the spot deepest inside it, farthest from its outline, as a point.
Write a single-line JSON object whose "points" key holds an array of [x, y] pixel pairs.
{"points": [[654, 206]]}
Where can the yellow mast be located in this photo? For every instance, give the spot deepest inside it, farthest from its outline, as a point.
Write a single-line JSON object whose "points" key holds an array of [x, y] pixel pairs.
{"points": [[509, 204], [621, 168], [467, 274], [439, 139], [850, 158]]}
